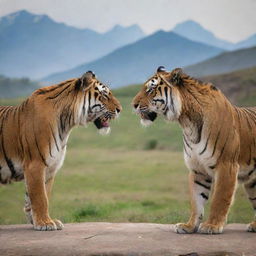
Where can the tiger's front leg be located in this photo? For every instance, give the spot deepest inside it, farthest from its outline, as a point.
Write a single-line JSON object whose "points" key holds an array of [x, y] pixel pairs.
{"points": [[224, 188], [199, 187], [48, 185], [35, 181]]}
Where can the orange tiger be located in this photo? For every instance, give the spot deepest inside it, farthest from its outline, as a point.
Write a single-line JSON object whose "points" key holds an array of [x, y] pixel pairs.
{"points": [[34, 136], [219, 143]]}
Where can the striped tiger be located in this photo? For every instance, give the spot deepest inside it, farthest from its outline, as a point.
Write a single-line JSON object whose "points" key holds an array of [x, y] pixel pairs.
{"points": [[34, 136], [219, 143]]}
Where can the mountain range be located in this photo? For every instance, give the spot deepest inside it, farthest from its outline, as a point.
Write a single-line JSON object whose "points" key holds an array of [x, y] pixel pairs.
{"points": [[38, 47], [135, 62], [35, 45]]}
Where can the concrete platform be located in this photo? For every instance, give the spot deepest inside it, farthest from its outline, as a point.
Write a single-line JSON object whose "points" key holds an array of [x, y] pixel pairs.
{"points": [[130, 239]]}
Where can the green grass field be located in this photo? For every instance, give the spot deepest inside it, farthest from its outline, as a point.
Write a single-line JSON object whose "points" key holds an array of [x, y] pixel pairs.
{"points": [[135, 174]]}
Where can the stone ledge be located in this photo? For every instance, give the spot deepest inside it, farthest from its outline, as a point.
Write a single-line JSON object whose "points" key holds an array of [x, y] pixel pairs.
{"points": [[129, 239]]}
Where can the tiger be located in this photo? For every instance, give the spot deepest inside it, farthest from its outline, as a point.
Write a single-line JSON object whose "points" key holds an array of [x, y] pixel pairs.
{"points": [[219, 143], [34, 137]]}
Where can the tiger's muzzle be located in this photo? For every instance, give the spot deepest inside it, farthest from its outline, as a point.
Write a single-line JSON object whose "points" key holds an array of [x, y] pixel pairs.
{"points": [[147, 116]]}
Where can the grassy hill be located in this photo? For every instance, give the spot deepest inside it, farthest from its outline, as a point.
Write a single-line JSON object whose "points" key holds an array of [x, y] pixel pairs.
{"points": [[224, 63], [238, 86]]}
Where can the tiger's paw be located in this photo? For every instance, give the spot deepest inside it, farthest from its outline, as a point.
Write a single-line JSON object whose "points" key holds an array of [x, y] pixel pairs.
{"points": [[47, 225], [184, 228], [210, 229], [252, 227], [59, 224]]}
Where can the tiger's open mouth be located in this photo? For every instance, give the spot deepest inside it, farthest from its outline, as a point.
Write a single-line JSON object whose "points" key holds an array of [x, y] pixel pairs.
{"points": [[147, 118], [101, 123], [151, 116]]}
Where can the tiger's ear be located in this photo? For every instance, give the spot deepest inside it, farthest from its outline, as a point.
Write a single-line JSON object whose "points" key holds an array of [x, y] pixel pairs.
{"points": [[161, 69], [176, 76], [85, 80]]}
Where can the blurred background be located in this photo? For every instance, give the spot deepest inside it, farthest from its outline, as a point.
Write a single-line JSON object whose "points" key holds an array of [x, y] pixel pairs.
{"points": [[135, 174]]}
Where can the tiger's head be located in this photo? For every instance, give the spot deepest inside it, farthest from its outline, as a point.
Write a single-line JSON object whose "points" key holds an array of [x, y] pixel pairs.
{"points": [[98, 105], [159, 95]]}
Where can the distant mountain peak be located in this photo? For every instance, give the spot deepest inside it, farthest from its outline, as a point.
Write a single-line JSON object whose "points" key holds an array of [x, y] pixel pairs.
{"points": [[23, 16], [196, 32], [189, 23], [119, 28]]}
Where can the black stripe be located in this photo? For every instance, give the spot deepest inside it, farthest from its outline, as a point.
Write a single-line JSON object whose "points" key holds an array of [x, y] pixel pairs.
{"points": [[215, 144], [29, 152], [206, 144], [44, 91], [50, 148], [187, 152], [160, 90], [203, 185], [186, 142], [89, 100], [250, 172], [199, 131], [58, 94], [166, 95], [96, 105], [7, 159], [55, 141], [204, 196], [19, 136], [252, 199], [59, 132], [222, 150], [198, 173], [43, 159], [208, 180]]}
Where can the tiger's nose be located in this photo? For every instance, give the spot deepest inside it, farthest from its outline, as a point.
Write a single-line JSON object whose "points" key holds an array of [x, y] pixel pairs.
{"points": [[118, 110]]}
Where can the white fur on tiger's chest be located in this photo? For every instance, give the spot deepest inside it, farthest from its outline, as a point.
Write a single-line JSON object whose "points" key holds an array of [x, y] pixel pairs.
{"points": [[199, 158], [55, 163]]}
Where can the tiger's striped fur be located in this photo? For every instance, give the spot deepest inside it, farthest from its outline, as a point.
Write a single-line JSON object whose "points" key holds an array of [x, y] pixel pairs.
{"points": [[34, 136], [219, 143]]}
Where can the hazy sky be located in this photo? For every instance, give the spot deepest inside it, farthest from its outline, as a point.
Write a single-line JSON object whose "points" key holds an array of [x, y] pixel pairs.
{"points": [[233, 20]]}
